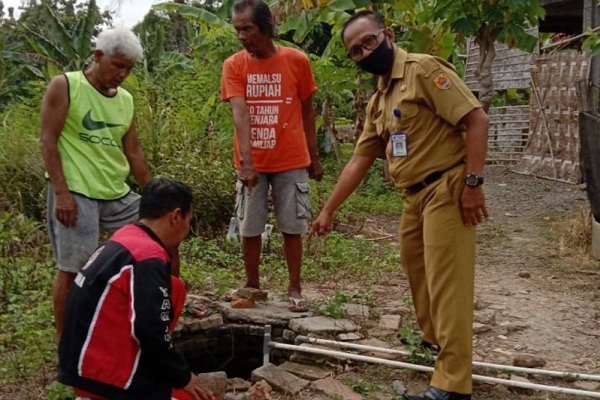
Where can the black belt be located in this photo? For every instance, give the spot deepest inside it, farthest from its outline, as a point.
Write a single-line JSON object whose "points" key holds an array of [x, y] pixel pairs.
{"points": [[429, 179]]}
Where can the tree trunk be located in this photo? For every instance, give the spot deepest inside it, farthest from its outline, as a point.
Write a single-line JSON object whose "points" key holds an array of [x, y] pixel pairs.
{"points": [[180, 41], [359, 107], [487, 52], [329, 126]]}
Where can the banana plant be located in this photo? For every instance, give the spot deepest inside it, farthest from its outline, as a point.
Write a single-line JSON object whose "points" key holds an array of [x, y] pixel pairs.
{"points": [[194, 13], [11, 84], [57, 49]]}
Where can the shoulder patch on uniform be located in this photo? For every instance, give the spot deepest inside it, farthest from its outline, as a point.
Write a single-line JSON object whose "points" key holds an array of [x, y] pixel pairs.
{"points": [[442, 81]]}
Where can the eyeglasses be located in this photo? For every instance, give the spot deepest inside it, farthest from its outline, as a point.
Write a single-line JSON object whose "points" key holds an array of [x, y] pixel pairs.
{"points": [[369, 43]]}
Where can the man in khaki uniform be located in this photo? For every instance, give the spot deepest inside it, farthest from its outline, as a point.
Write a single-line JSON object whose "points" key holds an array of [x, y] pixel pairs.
{"points": [[433, 132]]}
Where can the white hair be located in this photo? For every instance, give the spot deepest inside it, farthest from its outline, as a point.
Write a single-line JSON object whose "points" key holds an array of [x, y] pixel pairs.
{"points": [[121, 40]]}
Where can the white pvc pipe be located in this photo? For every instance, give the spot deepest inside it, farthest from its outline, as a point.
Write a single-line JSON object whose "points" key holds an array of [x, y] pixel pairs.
{"points": [[351, 356], [525, 385], [560, 374]]}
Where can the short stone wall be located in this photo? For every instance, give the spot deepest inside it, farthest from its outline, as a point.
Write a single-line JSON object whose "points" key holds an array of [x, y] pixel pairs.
{"points": [[226, 349], [232, 339]]}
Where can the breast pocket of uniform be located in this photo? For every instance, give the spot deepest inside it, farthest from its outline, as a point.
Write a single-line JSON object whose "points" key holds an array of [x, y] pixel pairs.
{"points": [[409, 111]]}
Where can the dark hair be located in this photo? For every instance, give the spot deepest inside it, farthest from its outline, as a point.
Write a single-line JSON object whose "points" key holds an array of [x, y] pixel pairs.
{"points": [[374, 16], [162, 195], [261, 15]]}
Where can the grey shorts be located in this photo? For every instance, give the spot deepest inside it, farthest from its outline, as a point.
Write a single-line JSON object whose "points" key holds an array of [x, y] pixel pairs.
{"points": [[290, 198], [73, 246]]}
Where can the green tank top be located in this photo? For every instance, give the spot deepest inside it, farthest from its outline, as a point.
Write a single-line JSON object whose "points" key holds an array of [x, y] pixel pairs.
{"points": [[90, 144]]}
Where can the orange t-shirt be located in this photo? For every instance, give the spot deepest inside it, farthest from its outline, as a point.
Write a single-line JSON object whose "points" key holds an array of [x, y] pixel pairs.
{"points": [[274, 89]]}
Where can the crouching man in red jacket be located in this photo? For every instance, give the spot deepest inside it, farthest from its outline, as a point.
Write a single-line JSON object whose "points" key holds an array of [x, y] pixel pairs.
{"points": [[116, 342]]}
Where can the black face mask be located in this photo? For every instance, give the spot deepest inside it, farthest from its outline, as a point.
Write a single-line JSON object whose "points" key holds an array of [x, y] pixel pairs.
{"points": [[379, 61]]}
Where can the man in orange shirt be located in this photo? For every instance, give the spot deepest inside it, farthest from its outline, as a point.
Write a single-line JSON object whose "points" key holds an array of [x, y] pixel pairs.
{"points": [[270, 88]]}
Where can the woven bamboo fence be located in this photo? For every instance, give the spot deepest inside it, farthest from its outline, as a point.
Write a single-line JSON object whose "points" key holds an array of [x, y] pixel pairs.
{"points": [[509, 126], [510, 69], [553, 147], [508, 134]]}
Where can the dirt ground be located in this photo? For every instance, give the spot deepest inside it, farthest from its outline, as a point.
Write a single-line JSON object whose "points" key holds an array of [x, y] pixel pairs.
{"points": [[537, 287], [534, 273]]}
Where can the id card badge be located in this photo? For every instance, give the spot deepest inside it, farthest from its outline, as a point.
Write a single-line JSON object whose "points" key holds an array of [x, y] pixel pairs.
{"points": [[399, 144]]}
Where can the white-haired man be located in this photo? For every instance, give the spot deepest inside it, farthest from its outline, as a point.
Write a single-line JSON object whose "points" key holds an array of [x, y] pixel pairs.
{"points": [[90, 146]]}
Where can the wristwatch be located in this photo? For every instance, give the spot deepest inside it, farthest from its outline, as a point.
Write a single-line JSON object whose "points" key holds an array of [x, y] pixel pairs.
{"points": [[473, 180]]}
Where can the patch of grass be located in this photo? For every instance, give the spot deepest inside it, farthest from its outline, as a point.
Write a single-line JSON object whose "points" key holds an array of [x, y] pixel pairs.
{"points": [[411, 337], [21, 168], [374, 196], [489, 231], [366, 297], [364, 388], [211, 264], [27, 333], [380, 379], [58, 391], [575, 233], [218, 264], [334, 306], [341, 259], [27, 341]]}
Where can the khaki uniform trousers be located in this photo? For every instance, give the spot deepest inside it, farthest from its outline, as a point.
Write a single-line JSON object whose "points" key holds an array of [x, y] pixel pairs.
{"points": [[438, 257]]}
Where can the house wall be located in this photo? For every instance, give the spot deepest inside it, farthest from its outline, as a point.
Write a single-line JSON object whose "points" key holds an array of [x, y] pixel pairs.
{"points": [[553, 146], [562, 16], [510, 69], [591, 19], [573, 17]]}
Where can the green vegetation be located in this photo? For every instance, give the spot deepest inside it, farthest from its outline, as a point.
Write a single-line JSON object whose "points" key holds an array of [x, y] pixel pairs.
{"points": [[186, 133], [365, 388], [410, 336], [58, 391], [334, 306], [27, 338], [211, 262]]}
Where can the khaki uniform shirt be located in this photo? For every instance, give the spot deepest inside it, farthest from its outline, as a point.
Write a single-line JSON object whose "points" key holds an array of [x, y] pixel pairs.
{"points": [[424, 100]]}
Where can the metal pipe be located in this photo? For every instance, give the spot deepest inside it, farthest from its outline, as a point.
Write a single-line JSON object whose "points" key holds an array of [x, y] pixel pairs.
{"points": [[560, 374], [525, 385], [266, 345]]}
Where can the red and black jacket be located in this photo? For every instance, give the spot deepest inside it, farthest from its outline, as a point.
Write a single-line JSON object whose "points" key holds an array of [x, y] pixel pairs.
{"points": [[116, 341]]}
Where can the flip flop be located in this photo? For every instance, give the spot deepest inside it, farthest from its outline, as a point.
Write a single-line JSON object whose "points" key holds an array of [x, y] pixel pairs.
{"points": [[298, 304], [197, 310], [256, 294]]}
